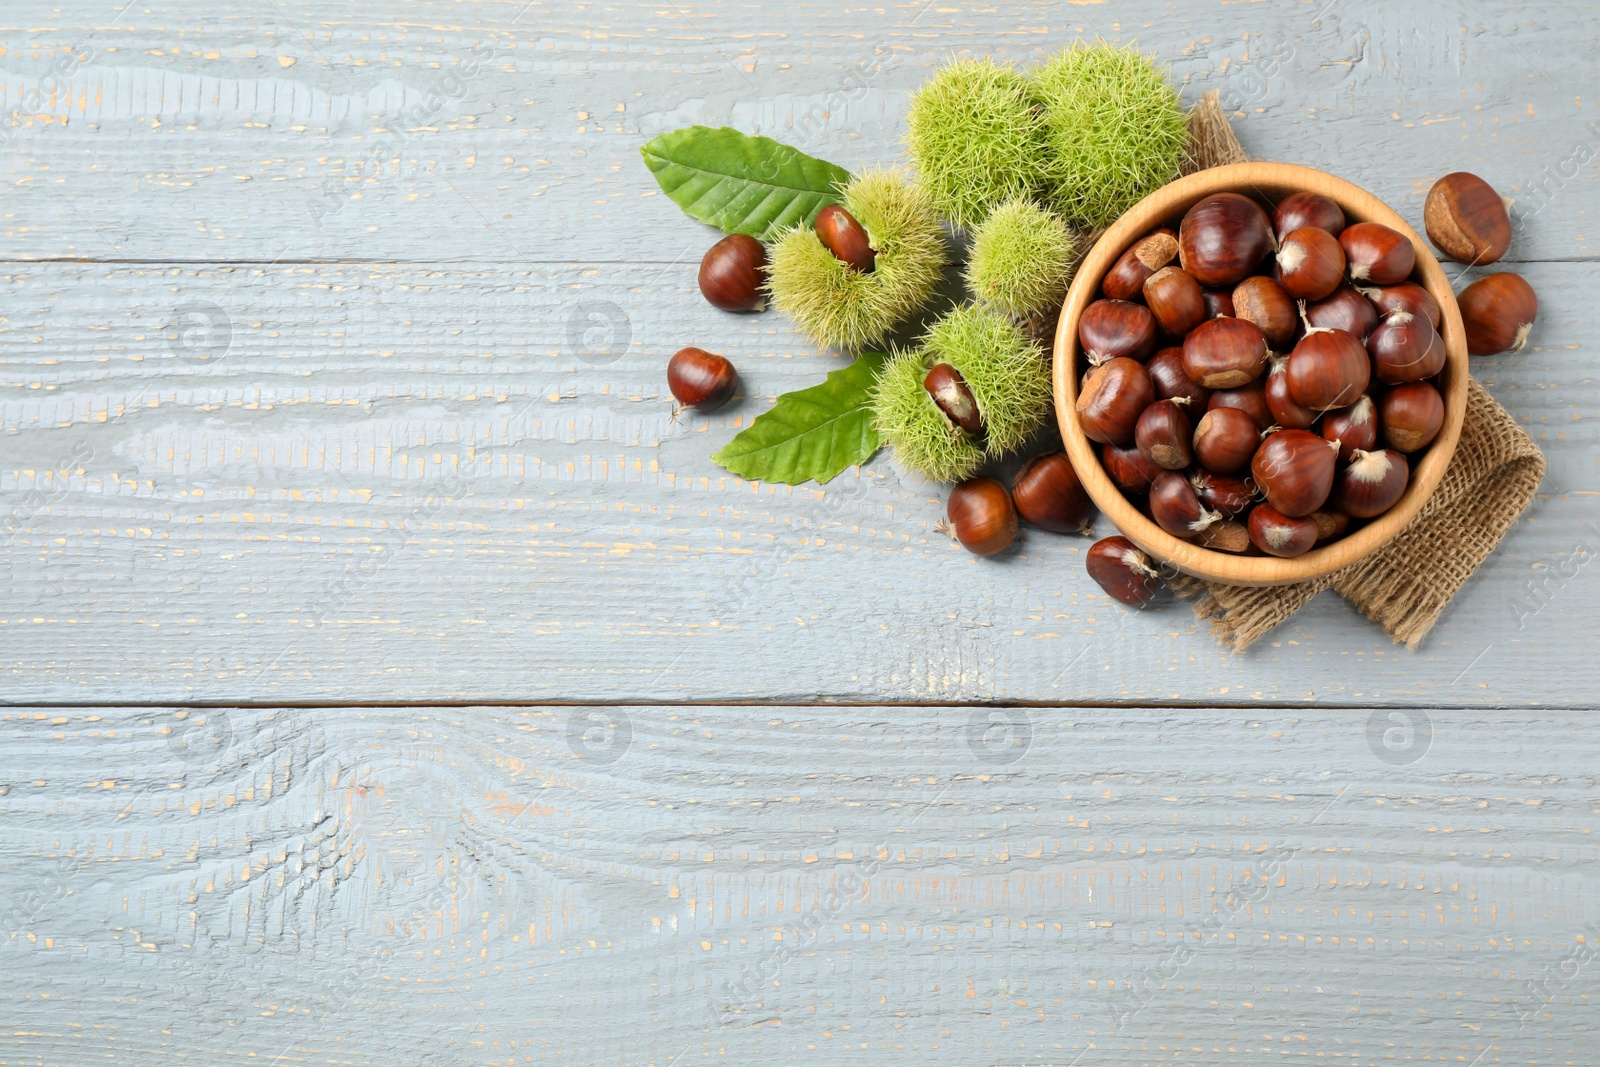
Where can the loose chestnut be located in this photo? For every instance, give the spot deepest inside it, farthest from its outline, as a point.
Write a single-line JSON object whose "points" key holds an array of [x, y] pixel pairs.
{"points": [[1162, 435], [1412, 415], [1123, 571], [1225, 439], [1278, 534], [1377, 254], [1286, 411], [1327, 369], [1261, 300], [1295, 468], [1048, 494], [1108, 329], [1354, 428], [1310, 263], [1125, 280], [1466, 219], [1409, 297], [732, 273], [1223, 239], [1175, 299], [1226, 536], [1250, 399], [1298, 210], [1331, 525], [1345, 310], [981, 513], [1218, 302], [1499, 312], [1404, 348], [1225, 353], [1371, 484], [1222, 493], [1171, 381], [700, 379], [1114, 396], [1176, 508], [949, 391], [846, 238], [1129, 469]]}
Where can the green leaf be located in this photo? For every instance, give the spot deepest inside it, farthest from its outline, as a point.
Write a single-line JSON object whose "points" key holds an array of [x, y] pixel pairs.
{"points": [[811, 433], [739, 183]]}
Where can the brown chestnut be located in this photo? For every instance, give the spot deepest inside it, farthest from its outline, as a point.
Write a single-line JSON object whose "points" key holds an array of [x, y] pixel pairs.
{"points": [[1223, 239], [1218, 302], [1129, 469], [1171, 381], [1226, 536], [1175, 299], [1287, 412], [1354, 428], [1331, 525], [949, 391], [1377, 254], [1225, 439], [1412, 415], [1048, 494], [1409, 297], [1278, 534], [1227, 495], [981, 513], [1310, 263], [1114, 395], [1261, 300], [1176, 508], [1162, 434], [1345, 310], [1108, 329], [1499, 312], [1327, 369], [1298, 210], [1125, 280], [700, 379], [1225, 353], [1295, 468], [732, 273], [846, 238], [1250, 399], [1405, 349], [1371, 484], [1123, 571], [1466, 219]]}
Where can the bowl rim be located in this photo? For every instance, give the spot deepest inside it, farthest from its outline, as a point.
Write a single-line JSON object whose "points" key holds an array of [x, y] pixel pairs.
{"points": [[1263, 182]]}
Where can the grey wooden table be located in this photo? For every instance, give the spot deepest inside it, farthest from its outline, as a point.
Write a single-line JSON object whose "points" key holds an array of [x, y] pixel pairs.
{"points": [[391, 680]]}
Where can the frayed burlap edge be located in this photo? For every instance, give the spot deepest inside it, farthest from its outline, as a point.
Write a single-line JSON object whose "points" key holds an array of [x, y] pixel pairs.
{"points": [[1404, 587]]}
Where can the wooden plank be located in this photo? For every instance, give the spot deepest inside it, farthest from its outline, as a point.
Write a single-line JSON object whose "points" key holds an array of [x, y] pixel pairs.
{"points": [[510, 130], [396, 482], [883, 886]]}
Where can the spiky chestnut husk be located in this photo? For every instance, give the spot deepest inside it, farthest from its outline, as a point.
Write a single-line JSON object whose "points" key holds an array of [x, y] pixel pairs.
{"points": [[975, 133], [1022, 259], [1006, 373], [1113, 128], [848, 309]]}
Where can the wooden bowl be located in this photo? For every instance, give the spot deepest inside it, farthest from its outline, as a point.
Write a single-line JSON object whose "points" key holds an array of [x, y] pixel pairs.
{"points": [[1166, 206]]}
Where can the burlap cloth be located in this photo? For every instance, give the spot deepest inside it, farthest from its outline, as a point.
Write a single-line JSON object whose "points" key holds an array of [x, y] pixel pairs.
{"points": [[1495, 472]]}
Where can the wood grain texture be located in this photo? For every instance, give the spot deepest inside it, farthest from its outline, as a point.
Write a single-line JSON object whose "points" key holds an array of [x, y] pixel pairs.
{"points": [[874, 886]]}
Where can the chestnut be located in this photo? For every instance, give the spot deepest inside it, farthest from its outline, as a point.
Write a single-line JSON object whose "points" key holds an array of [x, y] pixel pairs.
{"points": [[1108, 329], [1377, 254], [1123, 571], [949, 391], [1264, 302], [1250, 399], [1278, 534], [1310, 263], [1327, 369], [1353, 428], [700, 379], [1125, 280], [1331, 525], [1171, 381], [732, 273], [1114, 396], [1218, 302], [1223, 238], [1298, 210], [1405, 348], [1295, 469], [1176, 508], [1499, 312], [1412, 415], [1225, 536], [846, 238], [1175, 299], [1225, 439], [1466, 219], [1371, 484], [1162, 434], [1409, 297], [1048, 494], [1129, 469], [1345, 310], [1227, 495], [981, 513], [1287, 412], [1225, 353]]}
